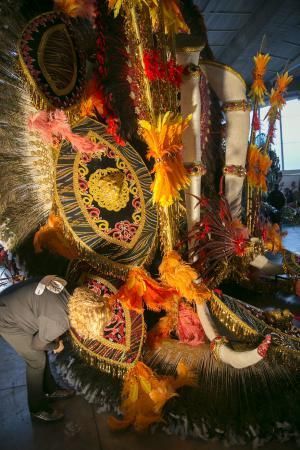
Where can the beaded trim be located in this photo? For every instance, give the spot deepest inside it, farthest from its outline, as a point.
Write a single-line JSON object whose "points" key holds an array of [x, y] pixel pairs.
{"points": [[196, 168], [192, 70], [236, 105], [238, 171], [190, 49], [263, 348]]}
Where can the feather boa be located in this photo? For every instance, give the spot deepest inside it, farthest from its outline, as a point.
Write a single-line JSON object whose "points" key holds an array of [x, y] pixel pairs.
{"points": [[53, 127], [190, 330], [145, 394], [140, 288]]}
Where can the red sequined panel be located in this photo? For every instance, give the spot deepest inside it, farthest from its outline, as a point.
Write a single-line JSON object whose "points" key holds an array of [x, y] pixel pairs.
{"points": [[116, 329]]}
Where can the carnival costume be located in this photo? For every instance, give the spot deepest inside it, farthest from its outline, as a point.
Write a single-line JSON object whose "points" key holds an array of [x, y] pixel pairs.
{"points": [[115, 158]]}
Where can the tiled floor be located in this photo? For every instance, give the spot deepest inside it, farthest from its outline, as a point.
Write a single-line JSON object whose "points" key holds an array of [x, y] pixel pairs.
{"points": [[83, 428]]}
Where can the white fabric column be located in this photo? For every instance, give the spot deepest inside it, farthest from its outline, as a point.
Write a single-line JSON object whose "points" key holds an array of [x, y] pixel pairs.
{"points": [[238, 360], [230, 87], [191, 104]]}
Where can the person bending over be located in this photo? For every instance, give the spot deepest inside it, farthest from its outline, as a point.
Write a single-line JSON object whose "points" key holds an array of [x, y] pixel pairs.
{"points": [[33, 317]]}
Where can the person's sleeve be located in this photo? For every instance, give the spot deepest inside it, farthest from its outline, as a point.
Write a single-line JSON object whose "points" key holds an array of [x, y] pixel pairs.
{"points": [[49, 331], [39, 344]]}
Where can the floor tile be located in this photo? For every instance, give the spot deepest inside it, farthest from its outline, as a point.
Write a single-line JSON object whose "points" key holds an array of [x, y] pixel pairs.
{"points": [[129, 440], [77, 431], [12, 372], [16, 429], [17, 432]]}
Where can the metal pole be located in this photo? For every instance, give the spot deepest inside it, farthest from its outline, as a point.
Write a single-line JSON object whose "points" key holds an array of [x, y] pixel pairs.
{"points": [[281, 142]]}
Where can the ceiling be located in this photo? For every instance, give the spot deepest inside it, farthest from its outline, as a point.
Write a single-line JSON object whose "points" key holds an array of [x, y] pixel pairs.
{"points": [[237, 28]]}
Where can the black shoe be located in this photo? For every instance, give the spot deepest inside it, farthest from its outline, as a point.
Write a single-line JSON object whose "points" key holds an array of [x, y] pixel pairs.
{"points": [[51, 415], [60, 394]]}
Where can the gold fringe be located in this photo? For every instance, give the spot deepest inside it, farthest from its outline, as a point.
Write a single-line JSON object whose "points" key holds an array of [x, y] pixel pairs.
{"points": [[40, 101], [230, 320], [117, 370], [38, 98], [285, 356], [27, 165], [113, 370]]}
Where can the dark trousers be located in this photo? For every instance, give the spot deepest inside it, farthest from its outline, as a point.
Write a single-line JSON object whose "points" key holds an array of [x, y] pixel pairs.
{"points": [[38, 374]]}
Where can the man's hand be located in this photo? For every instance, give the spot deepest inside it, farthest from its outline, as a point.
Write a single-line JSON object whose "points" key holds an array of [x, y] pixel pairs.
{"points": [[60, 347]]}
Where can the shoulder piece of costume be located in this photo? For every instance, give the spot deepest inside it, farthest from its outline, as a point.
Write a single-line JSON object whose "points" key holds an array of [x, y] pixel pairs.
{"points": [[52, 62], [105, 202]]}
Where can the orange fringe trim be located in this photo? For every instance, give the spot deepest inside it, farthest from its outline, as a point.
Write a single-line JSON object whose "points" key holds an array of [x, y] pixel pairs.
{"points": [[160, 331], [276, 97], [77, 8], [172, 16], [181, 276], [164, 140], [140, 288], [51, 236], [258, 88], [93, 101], [258, 166], [272, 237], [145, 394]]}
